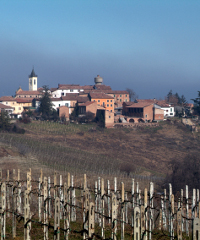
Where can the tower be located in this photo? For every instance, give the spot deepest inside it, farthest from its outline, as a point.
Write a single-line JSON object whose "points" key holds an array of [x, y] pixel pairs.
{"points": [[33, 81], [98, 80]]}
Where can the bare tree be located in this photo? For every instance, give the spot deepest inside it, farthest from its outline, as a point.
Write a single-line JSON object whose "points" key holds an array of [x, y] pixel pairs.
{"points": [[132, 94]]}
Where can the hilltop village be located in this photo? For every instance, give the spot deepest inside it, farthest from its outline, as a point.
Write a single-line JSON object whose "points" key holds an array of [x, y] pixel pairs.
{"points": [[98, 99]]}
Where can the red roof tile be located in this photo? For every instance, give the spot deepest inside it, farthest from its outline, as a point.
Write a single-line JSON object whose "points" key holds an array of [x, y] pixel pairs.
{"points": [[24, 100], [140, 104], [100, 95], [6, 98], [22, 92], [2, 106], [87, 103]]}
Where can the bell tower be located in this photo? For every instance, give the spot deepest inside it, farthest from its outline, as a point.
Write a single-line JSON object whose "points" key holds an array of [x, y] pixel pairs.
{"points": [[33, 81]]}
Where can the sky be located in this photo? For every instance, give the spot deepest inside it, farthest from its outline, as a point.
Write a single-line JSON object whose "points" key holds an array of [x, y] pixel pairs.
{"points": [[150, 46]]}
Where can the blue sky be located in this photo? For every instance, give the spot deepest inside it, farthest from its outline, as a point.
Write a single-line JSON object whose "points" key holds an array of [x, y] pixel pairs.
{"points": [[147, 45]]}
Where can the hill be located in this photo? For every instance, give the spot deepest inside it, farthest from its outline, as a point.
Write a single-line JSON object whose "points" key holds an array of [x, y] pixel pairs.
{"points": [[141, 152]]}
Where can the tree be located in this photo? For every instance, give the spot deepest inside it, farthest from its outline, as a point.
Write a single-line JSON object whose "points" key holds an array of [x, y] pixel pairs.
{"points": [[185, 172], [169, 95], [75, 113], [4, 121], [45, 104], [197, 104], [132, 94], [183, 100]]}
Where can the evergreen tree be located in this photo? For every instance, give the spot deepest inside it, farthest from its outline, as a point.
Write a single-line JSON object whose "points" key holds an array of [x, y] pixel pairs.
{"points": [[183, 100], [45, 104], [197, 104]]}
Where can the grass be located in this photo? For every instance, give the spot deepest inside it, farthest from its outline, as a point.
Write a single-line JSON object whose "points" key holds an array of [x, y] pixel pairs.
{"points": [[79, 148]]}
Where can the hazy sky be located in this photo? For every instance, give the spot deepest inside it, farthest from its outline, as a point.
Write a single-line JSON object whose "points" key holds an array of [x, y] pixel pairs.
{"points": [[149, 46]]}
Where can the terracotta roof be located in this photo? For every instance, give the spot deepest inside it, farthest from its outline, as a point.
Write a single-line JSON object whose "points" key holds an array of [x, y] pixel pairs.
{"points": [[88, 87], [102, 87], [70, 86], [6, 98], [24, 100], [82, 99], [40, 89], [70, 96], [2, 106], [140, 104], [53, 89], [22, 92], [61, 85], [100, 108], [87, 103], [161, 103], [100, 95], [117, 92], [55, 99]]}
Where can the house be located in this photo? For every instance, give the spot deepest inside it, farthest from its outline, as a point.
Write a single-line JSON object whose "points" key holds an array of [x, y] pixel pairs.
{"points": [[168, 108], [106, 117], [88, 107], [5, 108], [63, 112], [158, 113], [119, 97], [12, 102], [24, 104], [28, 94], [140, 111], [64, 89], [103, 100]]}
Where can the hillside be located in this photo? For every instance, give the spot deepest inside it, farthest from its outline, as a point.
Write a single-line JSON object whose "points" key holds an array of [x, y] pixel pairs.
{"points": [[137, 151]]}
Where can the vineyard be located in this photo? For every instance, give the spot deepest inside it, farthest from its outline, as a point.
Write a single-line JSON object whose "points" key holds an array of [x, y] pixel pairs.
{"points": [[69, 209]]}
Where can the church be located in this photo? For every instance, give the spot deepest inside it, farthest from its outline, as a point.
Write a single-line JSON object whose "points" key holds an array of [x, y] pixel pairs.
{"points": [[33, 91]]}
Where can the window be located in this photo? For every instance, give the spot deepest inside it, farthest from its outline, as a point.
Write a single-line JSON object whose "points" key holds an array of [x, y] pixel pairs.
{"points": [[54, 95], [6, 102], [111, 110], [146, 116], [34, 81], [111, 105], [170, 110], [66, 104], [19, 108], [71, 90], [120, 95], [114, 95], [171, 113], [126, 95], [125, 100], [120, 100], [62, 93], [98, 100], [109, 116], [166, 110], [110, 100], [107, 105], [59, 105], [103, 103], [107, 100]]}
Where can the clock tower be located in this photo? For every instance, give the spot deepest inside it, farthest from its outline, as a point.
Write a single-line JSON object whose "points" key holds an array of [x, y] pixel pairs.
{"points": [[33, 81]]}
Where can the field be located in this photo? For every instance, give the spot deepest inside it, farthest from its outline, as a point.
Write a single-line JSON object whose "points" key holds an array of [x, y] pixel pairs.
{"points": [[143, 152]]}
